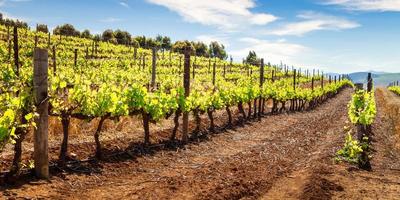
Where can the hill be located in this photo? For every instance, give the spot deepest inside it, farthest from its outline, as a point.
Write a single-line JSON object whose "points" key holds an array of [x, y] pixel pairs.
{"points": [[380, 78]]}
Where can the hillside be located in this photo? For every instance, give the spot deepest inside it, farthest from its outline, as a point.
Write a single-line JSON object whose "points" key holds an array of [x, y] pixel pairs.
{"points": [[380, 78]]}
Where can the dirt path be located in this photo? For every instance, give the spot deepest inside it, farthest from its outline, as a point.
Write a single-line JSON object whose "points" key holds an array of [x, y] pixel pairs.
{"points": [[247, 162]]}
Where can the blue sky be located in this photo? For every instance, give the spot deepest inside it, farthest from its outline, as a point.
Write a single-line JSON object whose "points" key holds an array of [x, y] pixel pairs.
{"points": [[334, 35]]}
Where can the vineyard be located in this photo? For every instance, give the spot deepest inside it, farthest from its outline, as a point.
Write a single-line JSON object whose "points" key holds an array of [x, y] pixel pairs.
{"points": [[280, 113]]}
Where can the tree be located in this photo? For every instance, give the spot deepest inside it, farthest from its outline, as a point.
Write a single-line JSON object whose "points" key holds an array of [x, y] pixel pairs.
{"points": [[11, 22], [252, 58], [135, 43], [201, 49], [86, 34], [97, 38], [122, 37], [67, 30], [107, 35], [42, 28], [180, 46], [217, 50], [152, 43], [141, 40], [164, 42]]}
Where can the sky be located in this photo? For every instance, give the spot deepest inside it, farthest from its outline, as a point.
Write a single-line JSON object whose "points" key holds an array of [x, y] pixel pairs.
{"points": [[340, 36]]}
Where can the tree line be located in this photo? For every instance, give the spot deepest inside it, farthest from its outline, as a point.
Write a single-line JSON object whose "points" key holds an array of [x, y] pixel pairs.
{"points": [[164, 43]]}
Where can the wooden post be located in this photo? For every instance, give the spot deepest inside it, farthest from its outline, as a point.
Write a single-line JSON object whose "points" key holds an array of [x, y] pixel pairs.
{"points": [[213, 74], [16, 51], [153, 68], [170, 58], [144, 61], [294, 79], [54, 61], [93, 44], [134, 54], [193, 70], [224, 71], [369, 85], [209, 64], [312, 83], [261, 86], [87, 53], [322, 81], [186, 85], [40, 84], [36, 40], [75, 58], [49, 40]]}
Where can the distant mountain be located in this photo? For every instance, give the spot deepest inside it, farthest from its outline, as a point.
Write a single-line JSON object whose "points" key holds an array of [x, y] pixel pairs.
{"points": [[380, 78]]}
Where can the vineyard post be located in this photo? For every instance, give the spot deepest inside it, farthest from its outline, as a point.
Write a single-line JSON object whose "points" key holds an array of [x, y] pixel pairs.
{"points": [[194, 69], [36, 40], [144, 61], [330, 79], [16, 50], [170, 58], [9, 43], [49, 40], [322, 81], [186, 85], [209, 64], [224, 70], [87, 53], [93, 48], [312, 84], [369, 85], [294, 79], [40, 83], [153, 69], [213, 74], [397, 83], [54, 61], [261, 86], [75, 58], [230, 65], [134, 55]]}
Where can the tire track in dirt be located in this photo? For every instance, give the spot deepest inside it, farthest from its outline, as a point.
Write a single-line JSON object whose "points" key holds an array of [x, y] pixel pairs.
{"points": [[241, 163]]}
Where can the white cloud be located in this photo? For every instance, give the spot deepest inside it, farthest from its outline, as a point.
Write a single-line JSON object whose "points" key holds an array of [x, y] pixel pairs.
{"points": [[368, 5], [312, 21], [124, 4], [111, 20], [211, 38], [225, 14], [271, 51]]}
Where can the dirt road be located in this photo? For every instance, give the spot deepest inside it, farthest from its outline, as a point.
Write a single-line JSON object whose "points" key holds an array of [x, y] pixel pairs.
{"points": [[281, 157]]}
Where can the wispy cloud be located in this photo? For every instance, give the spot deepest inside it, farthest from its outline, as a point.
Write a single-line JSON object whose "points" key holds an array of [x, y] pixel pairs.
{"points": [[124, 4], [367, 5], [225, 14], [111, 20], [312, 21], [272, 51]]}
